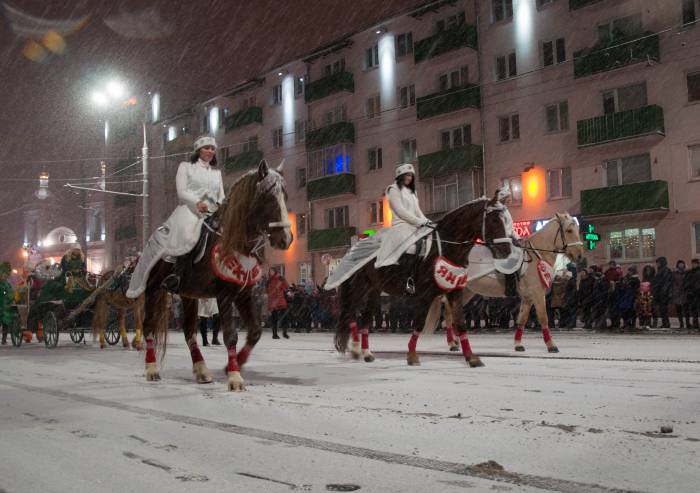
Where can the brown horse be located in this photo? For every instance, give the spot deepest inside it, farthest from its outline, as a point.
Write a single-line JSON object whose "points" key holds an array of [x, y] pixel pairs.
{"points": [[559, 236], [254, 212], [458, 229], [116, 299]]}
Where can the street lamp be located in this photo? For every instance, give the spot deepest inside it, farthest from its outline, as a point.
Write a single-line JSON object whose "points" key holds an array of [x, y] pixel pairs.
{"points": [[113, 92]]}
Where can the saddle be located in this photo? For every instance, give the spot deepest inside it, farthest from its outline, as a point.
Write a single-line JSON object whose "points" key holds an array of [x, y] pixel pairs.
{"points": [[184, 263]]}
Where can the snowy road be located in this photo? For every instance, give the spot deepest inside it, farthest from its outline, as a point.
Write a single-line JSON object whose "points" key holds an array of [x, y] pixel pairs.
{"points": [[79, 419]]}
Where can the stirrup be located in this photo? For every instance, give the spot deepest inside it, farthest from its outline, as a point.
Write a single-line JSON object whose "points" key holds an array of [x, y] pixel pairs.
{"points": [[171, 283], [410, 286]]}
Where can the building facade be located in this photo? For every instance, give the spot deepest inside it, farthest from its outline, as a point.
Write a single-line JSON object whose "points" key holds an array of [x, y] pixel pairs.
{"points": [[585, 106]]}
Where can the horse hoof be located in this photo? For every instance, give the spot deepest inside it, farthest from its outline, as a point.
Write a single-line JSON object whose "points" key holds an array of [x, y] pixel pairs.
{"points": [[520, 348], [202, 373], [475, 362], [553, 349], [136, 345], [153, 377], [355, 355], [412, 359], [454, 348], [369, 358], [235, 382], [102, 346]]}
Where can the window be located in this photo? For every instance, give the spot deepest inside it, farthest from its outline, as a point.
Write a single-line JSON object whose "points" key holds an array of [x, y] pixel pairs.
{"points": [[277, 138], [456, 137], [693, 80], [251, 144], [446, 193], [376, 212], [558, 183], [404, 44], [279, 268], [329, 161], [372, 57], [696, 239], [506, 66], [694, 160], [335, 67], [277, 94], [300, 127], [509, 127], [502, 10], [514, 183], [298, 87], [301, 177], [374, 158], [408, 151], [626, 170], [552, 48], [454, 79], [688, 11], [301, 224], [450, 22], [632, 244], [373, 106], [622, 28], [625, 98], [557, 117], [407, 96], [335, 115], [337, 217], [305, 273]]}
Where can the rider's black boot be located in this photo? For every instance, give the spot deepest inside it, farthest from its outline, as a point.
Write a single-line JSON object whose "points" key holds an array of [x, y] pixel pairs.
{"points": [[407, 265], [511, 287]]}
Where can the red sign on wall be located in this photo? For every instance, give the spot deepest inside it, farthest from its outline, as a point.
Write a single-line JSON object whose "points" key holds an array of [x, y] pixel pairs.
{"points": [[522, 228]]}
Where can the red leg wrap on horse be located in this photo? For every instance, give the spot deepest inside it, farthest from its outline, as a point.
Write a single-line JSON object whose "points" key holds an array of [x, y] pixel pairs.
{"points": [[150, 350], [232, 359], [365, 338], [450, 334], [519, 333], [546, 335], [464, 342], [413, 342], [354, 332], [244, 354], [196, 353]]}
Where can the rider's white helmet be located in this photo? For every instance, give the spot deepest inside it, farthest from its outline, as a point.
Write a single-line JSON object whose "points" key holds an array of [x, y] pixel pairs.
{"points": [[404, 168]]}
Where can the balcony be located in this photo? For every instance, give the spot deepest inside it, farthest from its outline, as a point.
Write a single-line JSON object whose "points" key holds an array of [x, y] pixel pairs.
{"points": [[625, 199], [243, 161], [330, 84], [579, 4], [329, 186], [253, 114], [641, 48], [125, 233], [449, 161], [464, 36], [124, 200], [621, 125], [447, 101], [180, 144], [327, 239], [329, 135]]}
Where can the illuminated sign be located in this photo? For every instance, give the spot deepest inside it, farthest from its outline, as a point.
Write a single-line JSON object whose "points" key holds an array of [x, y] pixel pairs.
{"points": [[522, 228], [591, 237]]}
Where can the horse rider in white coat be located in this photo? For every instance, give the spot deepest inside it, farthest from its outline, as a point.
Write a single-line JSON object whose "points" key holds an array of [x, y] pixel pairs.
{"points": [[200, 191], [407, 220], [505, 196]]}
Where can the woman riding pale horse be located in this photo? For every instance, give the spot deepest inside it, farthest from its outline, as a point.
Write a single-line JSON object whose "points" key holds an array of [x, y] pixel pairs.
{"points": [[200, 190], [559, 236]]}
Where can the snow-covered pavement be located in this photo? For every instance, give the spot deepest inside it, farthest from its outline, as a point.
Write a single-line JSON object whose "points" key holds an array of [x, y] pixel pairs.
{"points": [[587, 419]]}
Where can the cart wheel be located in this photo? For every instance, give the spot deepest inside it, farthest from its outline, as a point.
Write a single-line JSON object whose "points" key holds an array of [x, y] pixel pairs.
{"points": [[50, 330], [16, 332], [112, 335], [77, 335]]}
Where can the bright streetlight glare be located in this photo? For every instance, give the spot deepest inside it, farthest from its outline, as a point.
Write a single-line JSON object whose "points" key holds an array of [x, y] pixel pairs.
{"points": [[115, 89], [100, 98]]}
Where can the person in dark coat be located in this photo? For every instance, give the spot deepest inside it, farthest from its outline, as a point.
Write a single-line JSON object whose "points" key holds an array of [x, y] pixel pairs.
{"points": [[568, 311], [662, 290], [680, 298], [585, 298], [630, 292], [692, 290], [601, 295]]}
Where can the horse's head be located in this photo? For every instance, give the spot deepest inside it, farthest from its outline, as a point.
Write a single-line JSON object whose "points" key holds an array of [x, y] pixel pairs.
{"points": [[270, 207], [568, 235], [256, 209], [494, 231]]}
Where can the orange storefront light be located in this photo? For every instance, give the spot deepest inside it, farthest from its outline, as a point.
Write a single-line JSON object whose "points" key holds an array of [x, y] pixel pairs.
{"points": [[386, 212], [534, 184]]}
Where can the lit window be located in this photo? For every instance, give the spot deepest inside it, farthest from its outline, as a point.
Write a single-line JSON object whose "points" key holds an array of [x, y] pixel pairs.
{"points": [[632, 244], [305, 273], [514, 183]]}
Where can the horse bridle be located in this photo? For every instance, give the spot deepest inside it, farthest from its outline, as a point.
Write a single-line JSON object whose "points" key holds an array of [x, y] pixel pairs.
{"points": [[560, 233], [487, 210]]}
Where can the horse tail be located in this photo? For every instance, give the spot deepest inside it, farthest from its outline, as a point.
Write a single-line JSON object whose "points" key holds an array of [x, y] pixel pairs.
{"points": [[433, 316]]}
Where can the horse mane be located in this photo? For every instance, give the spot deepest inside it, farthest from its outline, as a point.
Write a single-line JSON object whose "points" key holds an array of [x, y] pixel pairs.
{"points": [[456, 212], [239, 202]]}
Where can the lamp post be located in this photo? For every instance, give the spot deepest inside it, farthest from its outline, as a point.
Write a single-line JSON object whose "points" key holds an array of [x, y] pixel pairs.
{"points": [[115, 92]]}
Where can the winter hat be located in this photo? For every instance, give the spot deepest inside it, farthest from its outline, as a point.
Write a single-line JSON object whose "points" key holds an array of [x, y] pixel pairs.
{"points": [[404, 168], [204, 140]]}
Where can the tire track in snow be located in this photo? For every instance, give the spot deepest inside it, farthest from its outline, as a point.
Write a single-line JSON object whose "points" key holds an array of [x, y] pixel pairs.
{"points": [[483, 471]]}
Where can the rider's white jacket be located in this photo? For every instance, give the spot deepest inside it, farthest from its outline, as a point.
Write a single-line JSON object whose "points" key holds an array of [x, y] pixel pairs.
{"points": [[405, 222], [195, 182]]}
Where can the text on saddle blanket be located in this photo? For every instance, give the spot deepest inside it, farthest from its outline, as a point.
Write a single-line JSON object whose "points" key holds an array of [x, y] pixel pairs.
{"points": [[237, 268]]}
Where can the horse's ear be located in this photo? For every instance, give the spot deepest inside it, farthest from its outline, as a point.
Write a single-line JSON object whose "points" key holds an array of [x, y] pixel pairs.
{"points": [[263, 170], [559, 216], [280, 167]]}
